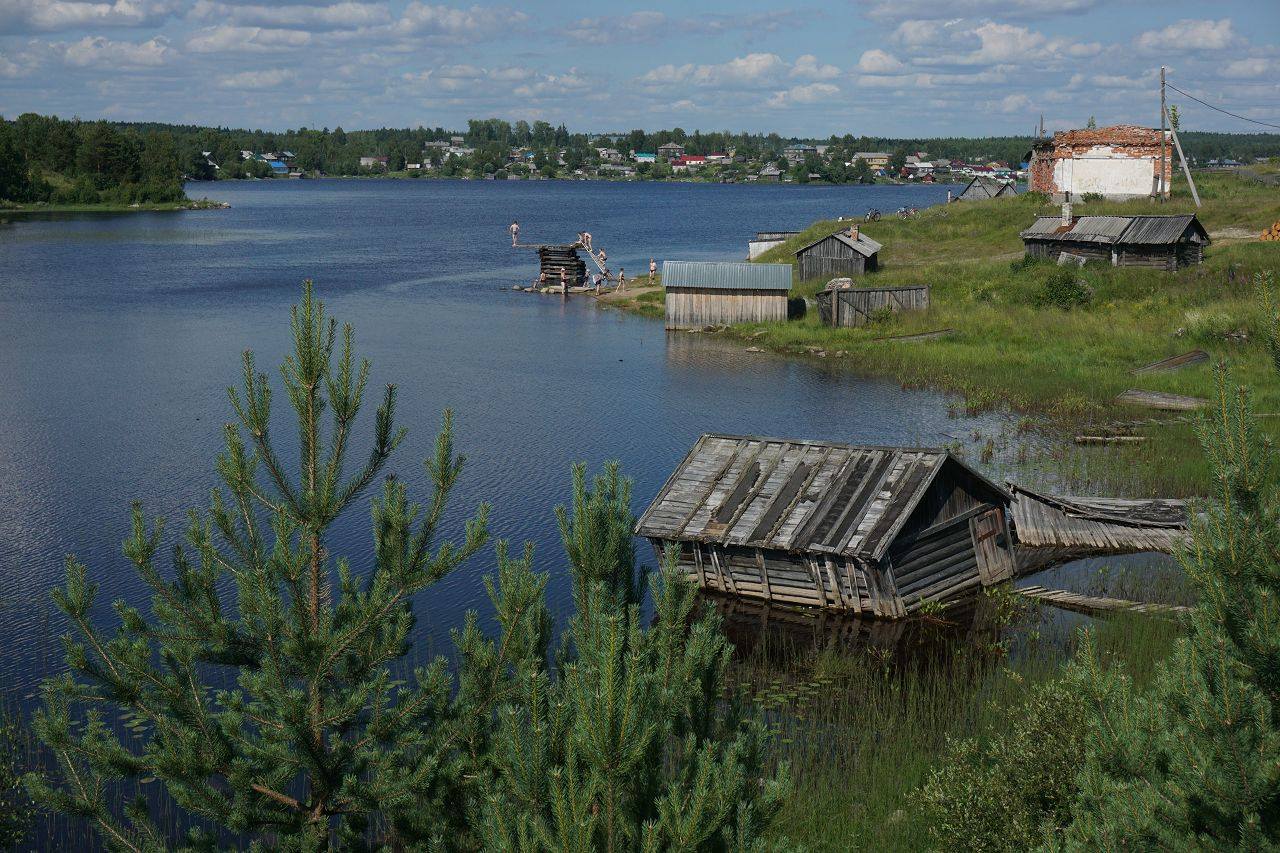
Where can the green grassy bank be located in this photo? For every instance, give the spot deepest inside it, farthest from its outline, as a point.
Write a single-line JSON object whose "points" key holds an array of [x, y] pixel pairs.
{"points": [[109, 207], [1013, 347]]}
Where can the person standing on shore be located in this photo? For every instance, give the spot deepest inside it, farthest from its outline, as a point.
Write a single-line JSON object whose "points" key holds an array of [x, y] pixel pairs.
{"points": [[564, 281], [622, 280], [653, 270], [515, 232]]}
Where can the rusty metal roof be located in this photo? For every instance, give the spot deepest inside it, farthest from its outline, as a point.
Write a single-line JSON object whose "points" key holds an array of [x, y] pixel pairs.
{"points": [[794, 495], [1117, 230], [726, 275]]}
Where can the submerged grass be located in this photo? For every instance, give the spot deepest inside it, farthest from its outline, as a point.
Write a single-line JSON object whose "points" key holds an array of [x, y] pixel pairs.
{"points": [[862, 730]]}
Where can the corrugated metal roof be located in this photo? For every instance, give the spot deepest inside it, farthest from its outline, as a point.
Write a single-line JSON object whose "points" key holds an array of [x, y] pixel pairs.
{"points": [[793, 495], [726, 275], [1110, 230], [1160, 230], [864, 245]]}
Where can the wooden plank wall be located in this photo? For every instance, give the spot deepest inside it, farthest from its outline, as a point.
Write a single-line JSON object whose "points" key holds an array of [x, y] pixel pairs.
{"points": [[854, 306], [938, 563], [1154, 257], [813, 265], [833, 583], [693, 308]]}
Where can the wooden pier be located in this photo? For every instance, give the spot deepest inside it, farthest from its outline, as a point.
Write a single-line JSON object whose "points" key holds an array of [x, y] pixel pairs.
{"points": [[1094, 605]]}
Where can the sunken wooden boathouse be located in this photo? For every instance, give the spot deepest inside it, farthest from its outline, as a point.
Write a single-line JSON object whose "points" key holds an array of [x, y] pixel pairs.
{"points": [[871, 530], [982, 188], [716, 293], [844, 253], [1161, 242]]}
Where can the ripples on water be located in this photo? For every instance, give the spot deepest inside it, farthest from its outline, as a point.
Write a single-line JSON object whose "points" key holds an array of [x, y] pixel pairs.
{"points": [[119, 334]]}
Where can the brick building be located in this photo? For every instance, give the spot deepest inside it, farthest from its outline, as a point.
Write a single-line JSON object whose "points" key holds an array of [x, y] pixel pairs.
{"points": [[1116, 162]]}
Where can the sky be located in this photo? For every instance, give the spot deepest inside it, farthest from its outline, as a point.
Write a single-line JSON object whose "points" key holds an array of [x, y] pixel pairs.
{"points": [[874, 67]]}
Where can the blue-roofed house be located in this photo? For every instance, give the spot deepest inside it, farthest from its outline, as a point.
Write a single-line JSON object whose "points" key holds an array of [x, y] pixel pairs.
{"points": [[278, 168], [721, 293]]}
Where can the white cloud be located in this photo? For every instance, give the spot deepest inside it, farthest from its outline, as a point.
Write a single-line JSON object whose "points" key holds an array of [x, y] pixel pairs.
{"points": [[634, 28], [9, 68], [334, 16], [227, 39], [101, 52], [752, 69], [268, 78], [896, 10], [1242, 69], [810, 94], [1014, 103], [473, 82], [50, 15], [877, 61], [1188, 35], [459, 25], [809, 67]]}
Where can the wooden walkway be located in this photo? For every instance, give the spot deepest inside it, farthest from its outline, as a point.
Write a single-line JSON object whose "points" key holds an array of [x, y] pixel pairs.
{"points": [[1093, 604]]}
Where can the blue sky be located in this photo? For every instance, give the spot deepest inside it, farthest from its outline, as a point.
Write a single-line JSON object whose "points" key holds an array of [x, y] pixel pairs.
{"points": [[880, 67]]}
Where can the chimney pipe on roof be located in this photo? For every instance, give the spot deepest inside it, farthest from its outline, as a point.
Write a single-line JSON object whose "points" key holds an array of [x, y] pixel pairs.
{"points": [[1066, 214]]}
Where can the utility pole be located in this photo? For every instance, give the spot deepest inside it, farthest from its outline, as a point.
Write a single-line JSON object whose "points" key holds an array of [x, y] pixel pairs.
{"points": [[1160, 182]]}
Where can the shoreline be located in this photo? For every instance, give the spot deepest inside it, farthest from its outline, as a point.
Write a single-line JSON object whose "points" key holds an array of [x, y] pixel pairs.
{"points": [[1063, 372], [168, 207]]}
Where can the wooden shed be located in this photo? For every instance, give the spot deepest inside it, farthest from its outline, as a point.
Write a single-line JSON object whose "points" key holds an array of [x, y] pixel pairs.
{"points": [[845, 253], [1160, 242], [715, 293], [982, 188], [857, 306], [874, 530]]}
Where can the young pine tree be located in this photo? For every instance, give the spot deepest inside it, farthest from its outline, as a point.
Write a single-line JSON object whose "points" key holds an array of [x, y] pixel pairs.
{"points": [[628, 743], [1194, 762], [261, 682]]}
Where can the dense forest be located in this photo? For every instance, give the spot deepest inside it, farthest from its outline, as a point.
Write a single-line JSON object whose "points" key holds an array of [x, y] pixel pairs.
{"points": [[47, 159]]}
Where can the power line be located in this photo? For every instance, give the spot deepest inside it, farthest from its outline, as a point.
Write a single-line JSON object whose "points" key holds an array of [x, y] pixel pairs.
{"points": [[1220, 109]]}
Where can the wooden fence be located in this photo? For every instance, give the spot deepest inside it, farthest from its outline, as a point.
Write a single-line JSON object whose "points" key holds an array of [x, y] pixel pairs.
{"points": [[855, 306]]}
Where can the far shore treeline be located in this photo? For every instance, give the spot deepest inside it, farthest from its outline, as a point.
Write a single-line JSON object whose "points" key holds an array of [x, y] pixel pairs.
{"points": [[45, 159]]}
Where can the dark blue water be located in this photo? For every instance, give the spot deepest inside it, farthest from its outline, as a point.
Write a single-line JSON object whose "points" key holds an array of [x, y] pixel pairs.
{"points": [[119, 335]]}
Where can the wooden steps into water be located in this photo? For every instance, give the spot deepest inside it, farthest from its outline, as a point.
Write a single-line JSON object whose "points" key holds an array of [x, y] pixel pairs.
{"points": [[1095, 605]]}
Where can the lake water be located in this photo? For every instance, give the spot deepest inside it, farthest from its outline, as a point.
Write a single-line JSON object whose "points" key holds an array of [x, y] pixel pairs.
{"points": [[120, 334]]}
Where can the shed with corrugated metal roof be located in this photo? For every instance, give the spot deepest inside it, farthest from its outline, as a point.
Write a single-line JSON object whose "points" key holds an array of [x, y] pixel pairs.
{"points": [[844, 253], [1160, 242], [715, 293], [875, 530]]}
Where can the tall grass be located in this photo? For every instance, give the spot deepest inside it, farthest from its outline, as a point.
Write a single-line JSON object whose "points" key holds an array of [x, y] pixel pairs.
{"points": [[862, 728]]}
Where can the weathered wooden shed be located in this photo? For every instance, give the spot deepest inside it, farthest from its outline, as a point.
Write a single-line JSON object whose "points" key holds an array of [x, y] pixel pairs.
{"points": [[714, 293], [1161, 242], [857, 306], [874, 530], [982, 188], [845, 253]]}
